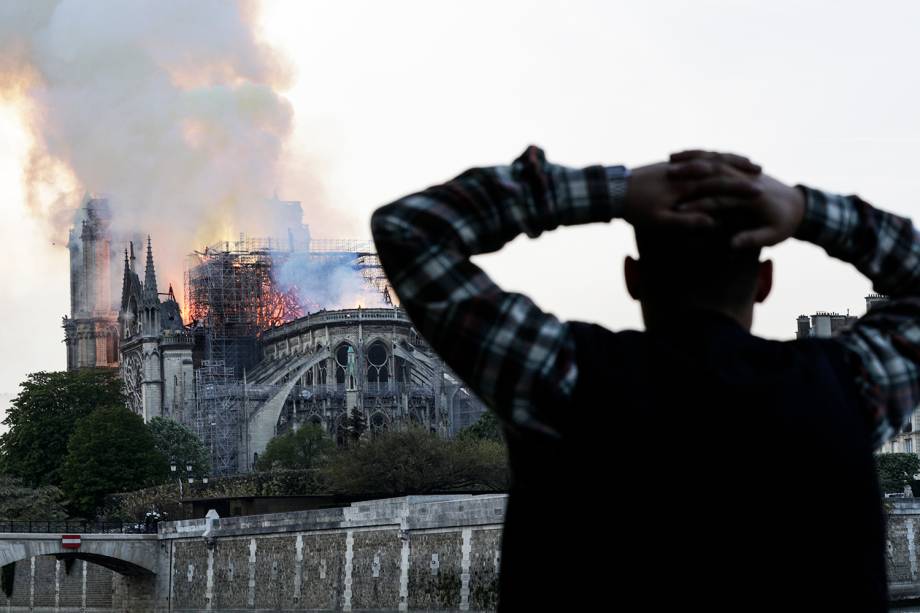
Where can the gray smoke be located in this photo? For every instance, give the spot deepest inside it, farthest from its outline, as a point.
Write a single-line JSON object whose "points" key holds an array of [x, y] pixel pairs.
{"points": [[325, 282], [170, 108]]}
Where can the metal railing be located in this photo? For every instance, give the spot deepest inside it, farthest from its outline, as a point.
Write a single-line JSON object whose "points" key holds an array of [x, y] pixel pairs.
{"points": [[76, 527]]}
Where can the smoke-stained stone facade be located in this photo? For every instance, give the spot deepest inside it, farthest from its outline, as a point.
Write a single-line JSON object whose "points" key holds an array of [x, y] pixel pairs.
{"points": [[156, 349], [91, 330], [327, 366]]}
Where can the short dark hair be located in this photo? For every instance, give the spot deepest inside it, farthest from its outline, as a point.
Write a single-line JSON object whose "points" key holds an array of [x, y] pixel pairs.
{"points": [[696, 266]]}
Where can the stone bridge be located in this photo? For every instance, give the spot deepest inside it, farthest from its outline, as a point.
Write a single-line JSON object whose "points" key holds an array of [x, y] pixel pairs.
{"points": [[134, 555]]}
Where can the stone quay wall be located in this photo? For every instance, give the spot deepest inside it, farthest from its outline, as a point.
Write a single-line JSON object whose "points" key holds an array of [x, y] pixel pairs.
{"points": [[400, 554], [412, 553], [415, 553]]}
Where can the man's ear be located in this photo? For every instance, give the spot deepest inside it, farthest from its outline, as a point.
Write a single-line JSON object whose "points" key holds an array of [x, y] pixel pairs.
{"points": [[764, 280], [633, 277]]}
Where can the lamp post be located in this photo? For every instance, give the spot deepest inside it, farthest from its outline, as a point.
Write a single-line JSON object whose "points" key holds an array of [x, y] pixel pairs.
{"points": [[174, 468]]}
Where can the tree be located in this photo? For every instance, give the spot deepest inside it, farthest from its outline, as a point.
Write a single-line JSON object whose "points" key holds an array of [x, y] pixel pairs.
{"points": [[18, 502], [176, 442], [895, 470], [417, 462], [486, 428], [42, 417], [355, 425], [111, 450], [306, 447]]}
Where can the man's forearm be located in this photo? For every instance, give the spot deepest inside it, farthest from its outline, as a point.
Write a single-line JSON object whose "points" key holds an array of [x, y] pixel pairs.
{"points": [[883, 246], [886, 341], [507, 349]]}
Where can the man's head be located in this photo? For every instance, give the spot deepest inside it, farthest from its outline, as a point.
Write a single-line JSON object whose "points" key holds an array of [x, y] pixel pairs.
{"points": [[696, 268]]}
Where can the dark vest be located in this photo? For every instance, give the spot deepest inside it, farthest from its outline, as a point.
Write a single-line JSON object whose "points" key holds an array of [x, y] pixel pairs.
{"points": [[699, 468]]}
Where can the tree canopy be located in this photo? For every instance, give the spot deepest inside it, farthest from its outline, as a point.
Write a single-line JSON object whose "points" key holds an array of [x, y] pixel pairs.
{"points": [[306, 447], [111, 450], [895, 470], [486, 428], [417, 462], [43, 416], [19, 502], [176, 442]]}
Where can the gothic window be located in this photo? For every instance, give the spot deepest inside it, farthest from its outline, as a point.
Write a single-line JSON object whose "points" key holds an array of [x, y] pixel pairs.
{"points": [[133, 375], [321, 373], [111, 342], [378, 423], [345, 365], [377, 360], [341, 432]]}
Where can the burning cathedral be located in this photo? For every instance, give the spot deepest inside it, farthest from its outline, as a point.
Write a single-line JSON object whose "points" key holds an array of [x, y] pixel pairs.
{"points": [[271, 334]]}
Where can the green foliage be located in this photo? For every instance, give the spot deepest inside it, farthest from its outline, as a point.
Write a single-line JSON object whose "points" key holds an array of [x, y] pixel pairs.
{"points": [[18, 502], [43, 416], [486, 428], [164, 499], [895, 470], [174, 441], [355, 425], [307, 447], [111, 450], [416, 462]]}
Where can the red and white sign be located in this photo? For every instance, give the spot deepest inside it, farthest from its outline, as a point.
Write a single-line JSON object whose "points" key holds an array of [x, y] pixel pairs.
{"points": [[70, 541]]}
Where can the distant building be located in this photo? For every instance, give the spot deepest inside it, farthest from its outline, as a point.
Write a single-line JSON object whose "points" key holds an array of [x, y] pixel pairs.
{"points": [[823, 324], [826, 325]]}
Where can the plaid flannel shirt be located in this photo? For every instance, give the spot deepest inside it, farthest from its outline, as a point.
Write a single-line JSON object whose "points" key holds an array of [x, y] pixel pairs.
{"points": [[521, 360], [886, 341]]}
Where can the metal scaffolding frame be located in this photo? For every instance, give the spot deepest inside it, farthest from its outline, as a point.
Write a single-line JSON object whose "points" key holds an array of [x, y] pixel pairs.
{"points": [[231, 293], [217, 416]]}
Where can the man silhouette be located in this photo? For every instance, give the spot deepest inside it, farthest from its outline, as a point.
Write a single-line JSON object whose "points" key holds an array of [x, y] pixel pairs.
{"points": [[693, 465]]}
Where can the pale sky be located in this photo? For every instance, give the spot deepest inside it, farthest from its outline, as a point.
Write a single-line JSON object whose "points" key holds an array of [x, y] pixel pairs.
{"points": [[390, 97]]}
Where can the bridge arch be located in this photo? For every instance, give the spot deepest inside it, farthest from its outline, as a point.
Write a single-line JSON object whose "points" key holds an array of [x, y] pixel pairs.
{"points": [[133, 555]]}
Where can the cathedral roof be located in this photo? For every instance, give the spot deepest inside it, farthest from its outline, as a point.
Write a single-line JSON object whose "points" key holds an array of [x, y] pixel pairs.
{"points": [[171, 315]]}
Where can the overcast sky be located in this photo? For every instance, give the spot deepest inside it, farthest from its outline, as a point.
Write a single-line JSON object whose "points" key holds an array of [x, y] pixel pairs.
{"points": [[392, 96]]}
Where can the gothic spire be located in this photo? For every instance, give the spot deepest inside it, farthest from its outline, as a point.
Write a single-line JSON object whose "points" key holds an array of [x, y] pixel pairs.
{"points": [[150, 276], [131, 257]]}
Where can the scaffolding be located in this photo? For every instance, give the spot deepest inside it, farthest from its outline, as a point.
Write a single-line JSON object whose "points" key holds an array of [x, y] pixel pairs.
{"points": [[232, 296], [218, 415]]}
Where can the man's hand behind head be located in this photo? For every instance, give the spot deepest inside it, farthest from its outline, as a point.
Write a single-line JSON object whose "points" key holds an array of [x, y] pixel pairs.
{"points": [[768, 218], [654, 192]]}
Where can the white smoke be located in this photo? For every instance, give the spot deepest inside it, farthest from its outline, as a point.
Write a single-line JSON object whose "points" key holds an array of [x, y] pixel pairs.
{"points": [[170, 108]]}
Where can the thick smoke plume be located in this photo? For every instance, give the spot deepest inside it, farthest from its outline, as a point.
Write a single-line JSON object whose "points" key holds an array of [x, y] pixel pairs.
{"points": [[170, 108]]}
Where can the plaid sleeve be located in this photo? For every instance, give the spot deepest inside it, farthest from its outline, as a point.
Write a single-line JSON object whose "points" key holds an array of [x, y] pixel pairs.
{"points": [[886, 341], [519, 360]]}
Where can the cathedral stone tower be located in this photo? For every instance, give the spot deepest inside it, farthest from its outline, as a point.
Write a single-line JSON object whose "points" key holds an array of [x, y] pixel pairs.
{"points": [[91, 330], [156, 349]]}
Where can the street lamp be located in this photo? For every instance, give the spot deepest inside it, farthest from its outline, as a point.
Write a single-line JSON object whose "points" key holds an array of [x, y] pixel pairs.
{"points": [[174, 468]]}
